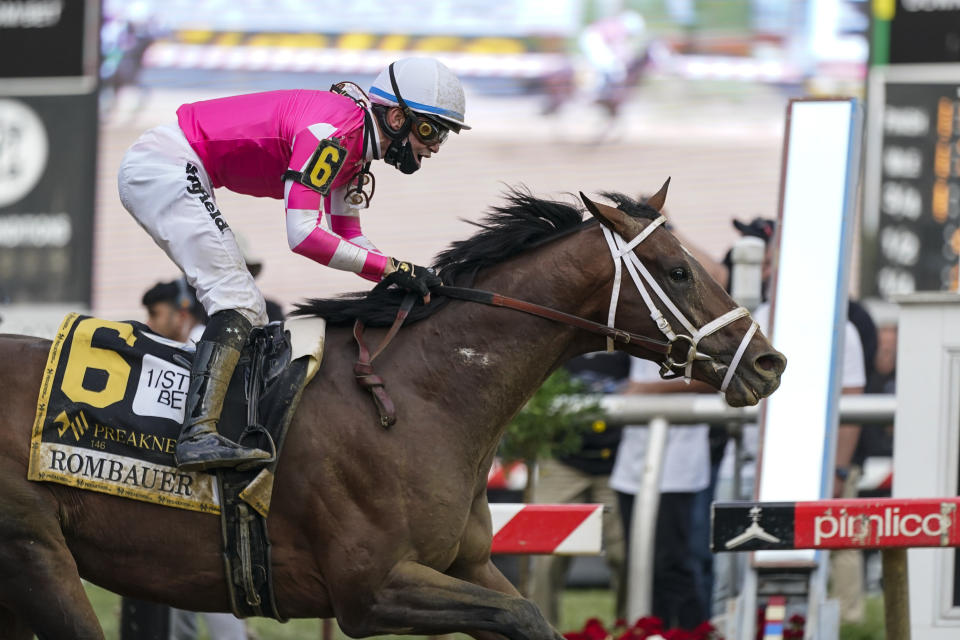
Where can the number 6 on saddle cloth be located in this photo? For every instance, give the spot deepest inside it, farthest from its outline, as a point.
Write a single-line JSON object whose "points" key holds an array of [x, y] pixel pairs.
{"points": [[112, 403]]}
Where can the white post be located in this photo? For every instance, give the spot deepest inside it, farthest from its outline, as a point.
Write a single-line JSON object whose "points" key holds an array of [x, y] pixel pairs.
{"points": [[746, 272], [643, 530]]}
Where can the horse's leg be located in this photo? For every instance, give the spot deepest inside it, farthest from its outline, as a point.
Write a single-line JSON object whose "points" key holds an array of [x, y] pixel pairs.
{"points": [[489, 575], [415, 599], [13, 627], [38, 576]]}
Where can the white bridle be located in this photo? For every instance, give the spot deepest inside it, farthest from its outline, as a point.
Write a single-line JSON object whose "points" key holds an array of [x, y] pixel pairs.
{"points": [[621, 250]]}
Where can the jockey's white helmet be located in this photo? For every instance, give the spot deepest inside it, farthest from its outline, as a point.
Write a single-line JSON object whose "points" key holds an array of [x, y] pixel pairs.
{"points": [[426, 85]]}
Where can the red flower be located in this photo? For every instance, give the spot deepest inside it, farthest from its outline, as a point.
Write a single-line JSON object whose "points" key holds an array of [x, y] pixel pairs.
{"points": [[649, 623], [594, 630], [642, 629]]}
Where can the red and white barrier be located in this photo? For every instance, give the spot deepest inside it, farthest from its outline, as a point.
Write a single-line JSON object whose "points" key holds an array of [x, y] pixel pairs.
{"points": [[865, 523], [892, 525], [561, 529]]}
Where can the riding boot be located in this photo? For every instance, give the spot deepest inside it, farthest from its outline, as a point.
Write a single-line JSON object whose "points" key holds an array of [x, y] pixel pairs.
{"points": [[218, 350]]}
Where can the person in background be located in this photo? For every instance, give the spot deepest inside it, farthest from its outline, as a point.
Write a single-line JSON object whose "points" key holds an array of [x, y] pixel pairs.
{"points": [[583, 477], [616, 48], [859, 346], [874, 452], [703, 557], [311, 149], [174, 312], [677, 598], [844, 567]]}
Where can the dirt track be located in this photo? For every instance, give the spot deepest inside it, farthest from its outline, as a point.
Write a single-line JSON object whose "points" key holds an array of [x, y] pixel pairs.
{"points": [[722, 151]]}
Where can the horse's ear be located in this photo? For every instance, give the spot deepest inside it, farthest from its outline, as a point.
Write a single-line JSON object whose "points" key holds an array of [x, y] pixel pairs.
{"points": [[610, 217], [659, 199]]}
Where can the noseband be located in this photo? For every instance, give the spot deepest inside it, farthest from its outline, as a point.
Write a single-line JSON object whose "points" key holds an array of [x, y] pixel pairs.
{"points": [[622, 252]]}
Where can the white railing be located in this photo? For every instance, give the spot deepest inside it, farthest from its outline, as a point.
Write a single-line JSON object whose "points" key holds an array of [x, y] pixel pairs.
{"points": [[659, 412]]}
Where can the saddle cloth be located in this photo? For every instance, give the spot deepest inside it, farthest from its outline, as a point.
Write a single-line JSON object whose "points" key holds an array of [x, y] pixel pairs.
{"points": [[112, 400]]}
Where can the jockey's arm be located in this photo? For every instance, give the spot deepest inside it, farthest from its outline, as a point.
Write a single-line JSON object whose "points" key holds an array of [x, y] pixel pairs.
{"points": [[307, 237], [342, 244]]}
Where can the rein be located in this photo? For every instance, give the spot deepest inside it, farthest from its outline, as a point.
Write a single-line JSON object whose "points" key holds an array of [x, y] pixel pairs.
{"points": [[497, 300], [621, 251]]}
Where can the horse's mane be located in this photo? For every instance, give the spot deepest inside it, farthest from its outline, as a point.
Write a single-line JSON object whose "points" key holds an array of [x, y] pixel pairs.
{"points": [[521, 223]]}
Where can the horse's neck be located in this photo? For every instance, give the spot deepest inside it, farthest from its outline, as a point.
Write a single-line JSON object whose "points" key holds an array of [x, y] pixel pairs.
{"points": [[566, 275], [502, 356]]}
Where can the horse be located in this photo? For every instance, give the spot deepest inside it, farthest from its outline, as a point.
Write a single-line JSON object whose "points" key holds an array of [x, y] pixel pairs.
{"points": [[389, 530]]}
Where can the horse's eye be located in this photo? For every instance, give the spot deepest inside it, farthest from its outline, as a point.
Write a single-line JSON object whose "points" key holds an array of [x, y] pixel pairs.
{"points": [[678, 274]]}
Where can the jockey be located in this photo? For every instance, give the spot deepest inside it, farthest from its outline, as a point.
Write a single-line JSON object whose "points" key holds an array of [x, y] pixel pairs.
{"points": [[311, 148]]}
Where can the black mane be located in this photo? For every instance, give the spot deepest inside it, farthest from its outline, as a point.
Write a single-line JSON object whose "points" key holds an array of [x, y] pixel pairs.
{"points": [[522, 223]]}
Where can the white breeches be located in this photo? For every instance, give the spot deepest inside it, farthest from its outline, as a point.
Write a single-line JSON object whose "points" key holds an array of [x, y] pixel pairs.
{"points": [[164, 186]]}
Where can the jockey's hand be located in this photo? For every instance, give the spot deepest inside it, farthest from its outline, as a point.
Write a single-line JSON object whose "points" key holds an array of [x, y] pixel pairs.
{"points": [[412, 277]]}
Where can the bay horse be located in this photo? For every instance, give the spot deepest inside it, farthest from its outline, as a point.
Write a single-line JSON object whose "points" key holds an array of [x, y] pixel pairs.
{"points": [[388, 530]]}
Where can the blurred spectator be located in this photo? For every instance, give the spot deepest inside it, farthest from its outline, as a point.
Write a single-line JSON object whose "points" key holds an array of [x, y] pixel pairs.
{"points": [[677, 599], [874, 453], [584, 477], [616, 49], [859, 349], [859, 346], [220, 626], [883, 377], [697, 532], [173, 311]]}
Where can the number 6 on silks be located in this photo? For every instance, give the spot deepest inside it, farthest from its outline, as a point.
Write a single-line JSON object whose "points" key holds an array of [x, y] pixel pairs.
{"points": [[322, 167]]}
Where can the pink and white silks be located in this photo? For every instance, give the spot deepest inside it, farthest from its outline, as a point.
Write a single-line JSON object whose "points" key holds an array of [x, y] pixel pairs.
{"points": [[246, 143]]}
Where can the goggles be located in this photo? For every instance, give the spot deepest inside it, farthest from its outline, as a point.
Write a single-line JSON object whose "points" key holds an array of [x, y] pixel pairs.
{"points": [[428, 130]]}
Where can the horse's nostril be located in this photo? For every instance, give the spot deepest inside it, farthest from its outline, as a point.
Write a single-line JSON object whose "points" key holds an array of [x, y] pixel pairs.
{"points": [[771, 363]]}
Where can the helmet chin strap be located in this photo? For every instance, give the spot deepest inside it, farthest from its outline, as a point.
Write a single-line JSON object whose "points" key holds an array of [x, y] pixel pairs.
{"points": [[400, 152]]}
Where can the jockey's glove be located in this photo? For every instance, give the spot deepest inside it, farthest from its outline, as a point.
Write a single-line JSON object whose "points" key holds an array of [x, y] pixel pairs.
{"points": [[412, 277]]}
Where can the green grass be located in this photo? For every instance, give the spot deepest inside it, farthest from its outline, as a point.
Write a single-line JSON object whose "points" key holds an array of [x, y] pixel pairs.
{"points": [[107, 606], [872, 627], [576, 606]]}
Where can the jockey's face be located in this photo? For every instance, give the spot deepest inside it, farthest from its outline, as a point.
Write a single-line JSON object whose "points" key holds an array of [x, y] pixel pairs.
{"points": [[422, 149], [395, 118]]}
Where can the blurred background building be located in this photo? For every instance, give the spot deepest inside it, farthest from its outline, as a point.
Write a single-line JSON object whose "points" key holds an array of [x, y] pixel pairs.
{"points": [[706, 108]]}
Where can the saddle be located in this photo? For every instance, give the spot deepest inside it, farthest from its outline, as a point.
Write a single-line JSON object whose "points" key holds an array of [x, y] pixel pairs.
{"points": [[109, 413]]}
